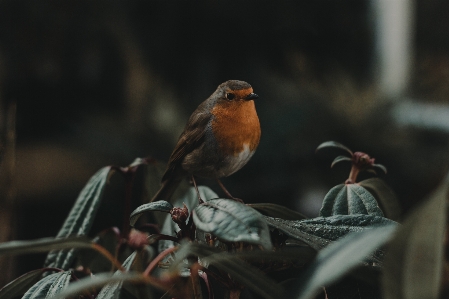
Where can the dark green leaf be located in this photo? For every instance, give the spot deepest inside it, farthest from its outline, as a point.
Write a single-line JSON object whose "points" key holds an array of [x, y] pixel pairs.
{"points": [[88, 284], [59, 284], [160, 206], [232, 221], [381, 167], [299, 254], [21, 285], [190, 198], [43, 245], [329, 200], [340, 159], [80, 218], [277, 211], [188, 249], [94, 260], [340, 257], [49, 286], [333, 144], [112, 290], [349, 199], [413, 265], [319, 232], [246, 274], [352, 287], [386, 198], [233, 264]]}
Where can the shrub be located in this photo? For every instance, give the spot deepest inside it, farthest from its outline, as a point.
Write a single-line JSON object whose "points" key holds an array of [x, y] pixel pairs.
{"points": [[210, 247]]}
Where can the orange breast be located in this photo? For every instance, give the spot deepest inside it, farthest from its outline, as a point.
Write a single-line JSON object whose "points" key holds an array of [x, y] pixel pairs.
{"points": [[236, 124]]}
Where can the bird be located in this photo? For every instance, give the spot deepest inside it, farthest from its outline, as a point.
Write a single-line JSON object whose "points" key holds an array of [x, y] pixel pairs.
{"points": [[219, 138]]}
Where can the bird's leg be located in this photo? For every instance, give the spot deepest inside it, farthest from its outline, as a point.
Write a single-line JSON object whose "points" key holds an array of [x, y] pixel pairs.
{"points": [[200, 201], [227, 192]]}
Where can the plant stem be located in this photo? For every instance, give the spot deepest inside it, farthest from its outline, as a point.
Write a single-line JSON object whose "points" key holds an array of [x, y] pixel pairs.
{"points": [[157, 259], [353, 174], [109, 256], [197, 294]]}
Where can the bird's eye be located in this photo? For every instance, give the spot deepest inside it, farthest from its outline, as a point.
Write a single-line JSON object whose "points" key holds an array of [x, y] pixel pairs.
{"points": [[230, 96]]}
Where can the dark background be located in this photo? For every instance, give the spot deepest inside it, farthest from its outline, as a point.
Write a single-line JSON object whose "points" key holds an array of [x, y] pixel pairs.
{"points": [[101, 83]]}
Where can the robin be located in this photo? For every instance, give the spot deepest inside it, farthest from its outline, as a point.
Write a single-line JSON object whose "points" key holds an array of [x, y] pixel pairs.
{"points": [[220, 137]]}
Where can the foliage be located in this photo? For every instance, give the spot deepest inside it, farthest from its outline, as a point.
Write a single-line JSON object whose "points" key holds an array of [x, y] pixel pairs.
{"points": [[222, 248]]}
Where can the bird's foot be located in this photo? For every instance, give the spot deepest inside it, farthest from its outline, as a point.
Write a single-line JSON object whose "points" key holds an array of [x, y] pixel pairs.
{"points": [[229, 195]]}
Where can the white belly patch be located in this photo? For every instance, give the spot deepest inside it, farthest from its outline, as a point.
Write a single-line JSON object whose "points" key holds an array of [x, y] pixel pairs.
{"points": [[234, 163]]}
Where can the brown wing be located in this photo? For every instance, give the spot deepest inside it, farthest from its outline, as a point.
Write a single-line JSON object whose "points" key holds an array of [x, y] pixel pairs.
{"points": [[190, 138]]}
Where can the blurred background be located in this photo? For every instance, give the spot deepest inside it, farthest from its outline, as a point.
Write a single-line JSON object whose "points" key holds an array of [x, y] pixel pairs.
{"points": [[85, 84]]}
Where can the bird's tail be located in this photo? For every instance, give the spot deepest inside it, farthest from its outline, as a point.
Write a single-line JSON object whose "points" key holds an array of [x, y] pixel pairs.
{"points": [[167, 189]]}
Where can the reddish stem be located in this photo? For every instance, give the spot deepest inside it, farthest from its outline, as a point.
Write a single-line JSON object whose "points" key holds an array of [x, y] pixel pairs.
{"points": [[159, 258], [195, 281], [109, 256], [355, 170]]}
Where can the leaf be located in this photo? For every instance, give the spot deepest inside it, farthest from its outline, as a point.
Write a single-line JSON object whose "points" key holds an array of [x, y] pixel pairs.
{"points": [[381, 167], [112, 290], [333, 144], [277, 211], [246, 274], [413, 265], [21, 284], [43, 245], [232, 221], [349, 199], [386, 198], [321, 231], [59, 284], [94, 260], [160, 206], [88, 284], [190, 198], [339, 258], [49, 286], [298, 254], [340, 159], [80, 218], [232, 264]]}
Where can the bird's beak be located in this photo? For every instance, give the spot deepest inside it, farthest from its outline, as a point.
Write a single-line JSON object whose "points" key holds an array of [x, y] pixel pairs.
{"points": [[251, 96]]}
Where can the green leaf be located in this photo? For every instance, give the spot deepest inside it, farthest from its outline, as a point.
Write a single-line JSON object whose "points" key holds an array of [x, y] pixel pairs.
{"points": [[340, 159], [112, 290], [160, 206], [298, 254], [339, 258], [232, 221], [20, 285], [88, 284], [94, 260], [333, 144], [381, 167], [277, 211], [190, 198], [349, 199], [43, 245], [80, 218], [321, 231], [49, 286], [386, 198], [413, 265], [59, 284], [234, 265], [246, 274]]}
